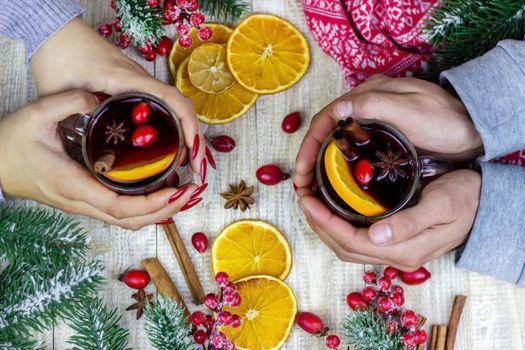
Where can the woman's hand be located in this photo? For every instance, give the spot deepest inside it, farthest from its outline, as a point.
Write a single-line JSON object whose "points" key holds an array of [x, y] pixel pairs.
{"points": [[34, 165], [410, 238]]}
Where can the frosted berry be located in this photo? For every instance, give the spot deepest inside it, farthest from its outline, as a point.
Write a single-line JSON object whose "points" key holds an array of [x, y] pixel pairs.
{"points": [[141, 113], [391, 326], [230, 287], [398, 299], [113, 4], [145, 48], [310, 323], [291, 123], [205, 33], [236, 321], [181, 3], [369, 294], [211, 301], [364, 172], [224, 318], [185, 41], [385, 305], [228, 345], [356, 302], [123, 41], [229, 297], [370, 277], [416, 277], [222, 278], [199, 242], [209, 323], [236, 301], [270, 175], [116, 25], [169, 4], [217, 339], [384, 284], [192, 5], [198, 318], [223, 143], [398, 289], [153, 3], [390, 272], [421, 336], [332, 342], [408, 340], [197, 18], [136, 279], [164, 46], [171, 15], [200, 336], [183, 28], [105, 30], [150, 57], [409, 318]]}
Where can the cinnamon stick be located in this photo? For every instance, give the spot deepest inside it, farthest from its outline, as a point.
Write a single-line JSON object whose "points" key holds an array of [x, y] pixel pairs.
{"points": [[105, 162], [433, 339], [453, 323], [355, 131], [441, 337], [184, 259], [349, 151], [163, 282]]}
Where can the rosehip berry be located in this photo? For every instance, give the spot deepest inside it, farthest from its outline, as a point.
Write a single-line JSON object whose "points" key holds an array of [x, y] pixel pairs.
{"points": [[183, 28], [416, 277], [384, 284], [398, 289], [224, 318], [199, 242], [332, 342], [311, 323], [236, 321], [164, 46], [409, 318], [136, 279], [141, 113], [391, 327], [205, 33], [364, 172], [200, 337], [291, 123], [370, 277], [223, 143], [390, 272], [105, 30], [408, 340], [369, 294], [385, 305], [185, 41], [144, 136], [270, 175], [197, 18], [398, 299], [356, 302], [116, 25], [123, 41], [192, 5], [153, 3], [421, 336], [211, 301], [198, 318]]}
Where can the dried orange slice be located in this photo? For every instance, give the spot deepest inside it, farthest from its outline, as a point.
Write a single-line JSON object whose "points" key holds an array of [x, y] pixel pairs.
{"points": [[340, 176], [251, 247], [221, 33], [267, 310], [267, 54], [208, 69], [220, 108], [136, 172]]}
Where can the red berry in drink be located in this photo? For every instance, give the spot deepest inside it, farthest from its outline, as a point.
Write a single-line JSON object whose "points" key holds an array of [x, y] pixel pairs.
{"points": [[270, 175], [364, 172], [398, 289], [222, 278], [136, 279], [223, 143], [198, 318], [141, 113], [385, 305], [116, 25], [153, 3], [211, 301], [164, 46], [200, 337], [205, 33], [333, 342], [291, 123], [197, 18], [236, 321], [356, 302], [390, 272], [185, 41], [105, 30], [310, 323], [384, 284], [144, 136], [398, 299], [225, 318], [192, 5], [369, 294], [183, 28], [409, 318], [199, 242], [370, 277], [416, 277], [408, 340], [421, 336]]}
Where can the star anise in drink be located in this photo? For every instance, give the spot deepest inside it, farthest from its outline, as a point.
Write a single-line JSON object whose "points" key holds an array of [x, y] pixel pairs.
{"points": [[142, 300], [239, 196], [390, 164], [115, 132]]}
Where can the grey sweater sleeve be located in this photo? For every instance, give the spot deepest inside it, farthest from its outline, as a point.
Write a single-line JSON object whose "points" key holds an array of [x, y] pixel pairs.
{"points": [[34, 22]]}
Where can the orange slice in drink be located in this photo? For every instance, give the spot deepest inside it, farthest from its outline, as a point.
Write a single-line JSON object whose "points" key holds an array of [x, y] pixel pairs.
{"points": [[340, 176], [137, 172]]}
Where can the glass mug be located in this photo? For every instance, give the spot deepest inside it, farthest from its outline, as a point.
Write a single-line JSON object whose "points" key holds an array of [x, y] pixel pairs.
{"points": [[379, 133], [126, 156]]}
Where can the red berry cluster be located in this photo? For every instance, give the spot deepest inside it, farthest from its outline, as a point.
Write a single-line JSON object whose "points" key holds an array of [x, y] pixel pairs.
{"points": [[311, 323], [387, 298], [208, 334]]}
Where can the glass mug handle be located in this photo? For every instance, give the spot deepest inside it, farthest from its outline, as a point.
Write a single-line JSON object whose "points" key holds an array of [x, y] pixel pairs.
{"points": [[431, 166], [72, 130]]}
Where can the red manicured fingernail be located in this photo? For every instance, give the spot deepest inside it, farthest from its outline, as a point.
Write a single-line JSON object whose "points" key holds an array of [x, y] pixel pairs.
{"points": [[165, 222], [195, 149], [294, 187], [198, 191], [178, 194], [101, 97], [204, 169], [191, 204], [211, 160]]}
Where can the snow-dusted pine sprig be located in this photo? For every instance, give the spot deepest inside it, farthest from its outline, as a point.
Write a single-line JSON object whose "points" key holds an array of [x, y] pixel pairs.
{"points": [[97, 328], [226, 10], [365, 331], [10, 340], [167, 326], [139, 21]]}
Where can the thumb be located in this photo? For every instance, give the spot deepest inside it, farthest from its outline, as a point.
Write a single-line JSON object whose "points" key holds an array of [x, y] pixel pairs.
{"points": [[408, 223], [55, 108], [388, 107]]}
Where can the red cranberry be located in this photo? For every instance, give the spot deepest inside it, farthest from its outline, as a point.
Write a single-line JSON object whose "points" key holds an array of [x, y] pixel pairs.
{"points": [[408, 340], [356, 302], [236, 300], [370, 277], [185, 41], [105, 30], [197, 18], [200, 337], [123, 41], [310, 323], [398, 299], [421, 336], [332, 342], [409, 318], [144, 136], [230, 287], [384, 284], [224, 318], [391, 327], [211, 301], [153, 3], [145, 49], [222, 278], [164, 46], [390, 272], [416, 277], [223, 143], [291, 123], [369, 293], [198, 318], [116, 25], [385, 305], [229, 297], [136, 279], [192, 5], [270, 175], [236, 321], [199, 242], [150, 57], [398, 289], [141, 113], [364, 172], [205, 33]]}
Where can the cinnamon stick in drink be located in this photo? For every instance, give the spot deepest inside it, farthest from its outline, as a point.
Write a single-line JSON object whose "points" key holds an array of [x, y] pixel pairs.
{"points": [[355, 131], [349, 150], [105, 162]]}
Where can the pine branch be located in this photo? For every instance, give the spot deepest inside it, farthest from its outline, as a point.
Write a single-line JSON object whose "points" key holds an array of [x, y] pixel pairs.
{"points": [[227, 10], [96, 327], [10, 340], [167, 327], [140, 22], [368, 332]]}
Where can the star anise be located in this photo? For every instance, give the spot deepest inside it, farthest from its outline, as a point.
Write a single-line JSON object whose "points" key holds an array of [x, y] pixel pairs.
{"points": [[239, 196], [115, 132], [142, 299], [390, 164]]}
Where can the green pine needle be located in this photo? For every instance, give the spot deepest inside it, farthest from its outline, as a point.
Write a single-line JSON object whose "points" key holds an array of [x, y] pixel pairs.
{"points": [[167, 326], [10, 340], [97, 328], [368, 332], [141, 22], [227, 10]]}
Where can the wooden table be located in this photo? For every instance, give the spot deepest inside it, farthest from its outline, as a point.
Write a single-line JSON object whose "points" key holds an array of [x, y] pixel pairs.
{"points": [[494, 317]]}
